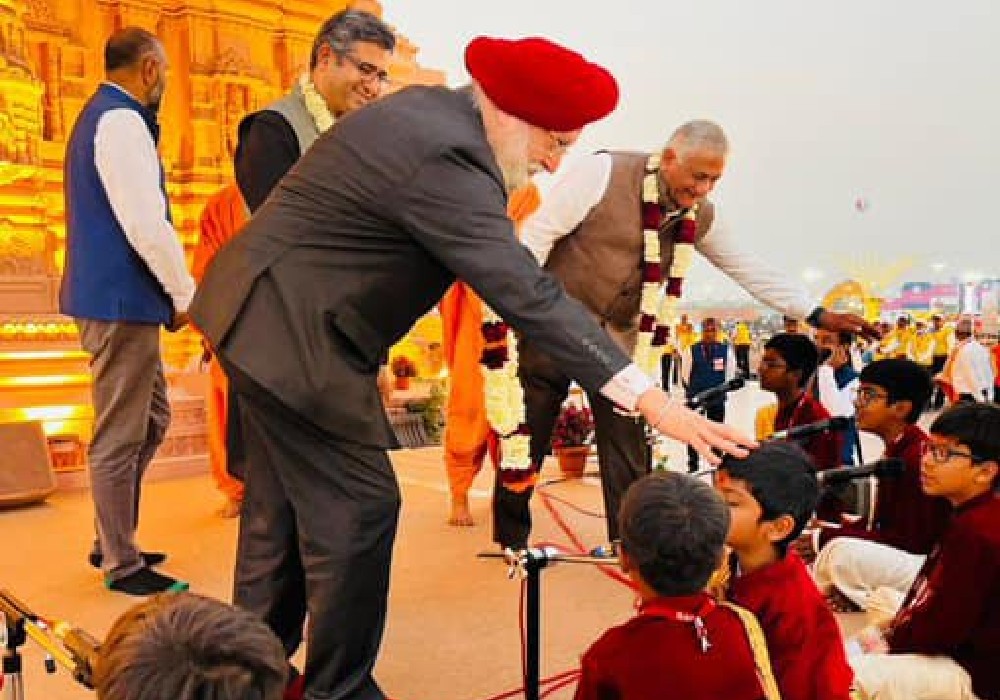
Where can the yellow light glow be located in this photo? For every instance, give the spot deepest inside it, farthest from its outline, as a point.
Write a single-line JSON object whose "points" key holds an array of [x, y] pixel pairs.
{"points": [[14, 355], [51, 413], [50, 380]]}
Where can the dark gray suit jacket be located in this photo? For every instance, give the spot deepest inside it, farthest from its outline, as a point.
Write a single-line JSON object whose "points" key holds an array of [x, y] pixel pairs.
{"points": [[359, 240]]}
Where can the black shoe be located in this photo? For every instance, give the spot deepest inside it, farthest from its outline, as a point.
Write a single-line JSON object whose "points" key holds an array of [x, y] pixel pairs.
{"points": [[145, 581], [151, 559]]}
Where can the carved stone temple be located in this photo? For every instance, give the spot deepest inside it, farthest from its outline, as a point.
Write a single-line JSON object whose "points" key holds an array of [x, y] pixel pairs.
{"points": [[228, 57]]}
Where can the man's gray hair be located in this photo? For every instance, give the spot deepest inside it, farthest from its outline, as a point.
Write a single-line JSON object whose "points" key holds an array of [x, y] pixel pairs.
{"points": [[699, 135], [346, 28]]}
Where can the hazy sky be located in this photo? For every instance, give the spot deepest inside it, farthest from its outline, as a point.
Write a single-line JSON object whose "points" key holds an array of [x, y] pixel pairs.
{"points": [[893, 101]]}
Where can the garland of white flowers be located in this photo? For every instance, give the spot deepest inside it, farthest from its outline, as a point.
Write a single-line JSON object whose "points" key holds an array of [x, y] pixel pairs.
{"points": [[504, 394], [315, 104], [505, 397], [658, 314]]}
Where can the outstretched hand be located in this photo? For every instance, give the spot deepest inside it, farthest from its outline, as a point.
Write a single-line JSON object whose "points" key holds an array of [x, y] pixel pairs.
{"points": [[851, 323], [674, 420]]}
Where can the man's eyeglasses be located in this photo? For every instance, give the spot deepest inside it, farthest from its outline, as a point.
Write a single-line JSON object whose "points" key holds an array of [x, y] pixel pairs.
{"points": [[867, 395], [369, 71], [942, 453], [772, 364]]}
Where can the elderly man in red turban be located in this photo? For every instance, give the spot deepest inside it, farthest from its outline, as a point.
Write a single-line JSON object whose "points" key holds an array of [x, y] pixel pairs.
{"points": [[359, 240]]}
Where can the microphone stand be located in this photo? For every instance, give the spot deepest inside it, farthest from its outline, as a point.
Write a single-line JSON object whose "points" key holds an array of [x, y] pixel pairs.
{"points": [[17, 623], [528, 564]]}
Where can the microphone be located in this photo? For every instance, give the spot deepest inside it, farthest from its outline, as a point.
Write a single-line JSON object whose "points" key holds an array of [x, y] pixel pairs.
{"points": [[880, 469], [709, 396], [836, 423], [82, 647]]}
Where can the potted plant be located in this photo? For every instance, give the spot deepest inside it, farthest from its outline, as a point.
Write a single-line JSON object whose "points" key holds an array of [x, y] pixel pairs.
{"points": [[403, 369], [571, 439]]}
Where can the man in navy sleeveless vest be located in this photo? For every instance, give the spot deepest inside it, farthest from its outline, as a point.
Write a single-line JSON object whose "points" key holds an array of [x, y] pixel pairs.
{"points": [[125, 277], [705, 365]]}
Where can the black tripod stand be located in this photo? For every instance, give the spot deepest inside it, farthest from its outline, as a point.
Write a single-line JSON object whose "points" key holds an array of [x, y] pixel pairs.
{"points": [[528, 564]]}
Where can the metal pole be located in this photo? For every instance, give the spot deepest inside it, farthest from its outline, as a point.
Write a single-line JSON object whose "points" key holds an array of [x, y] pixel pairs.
{"points": [[532, 678]]}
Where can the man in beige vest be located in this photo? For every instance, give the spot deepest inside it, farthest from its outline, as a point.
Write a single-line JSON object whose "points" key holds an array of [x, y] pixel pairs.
{"points": [[589, 234]]}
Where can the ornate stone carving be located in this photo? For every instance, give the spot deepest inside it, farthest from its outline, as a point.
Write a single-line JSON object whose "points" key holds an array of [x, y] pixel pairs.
{"points": [[22, 252]]}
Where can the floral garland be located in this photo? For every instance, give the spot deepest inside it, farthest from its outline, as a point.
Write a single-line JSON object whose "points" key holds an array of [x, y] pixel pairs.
{"points": [[658, 314], [505, 399], [315, 104], [504, 394]]}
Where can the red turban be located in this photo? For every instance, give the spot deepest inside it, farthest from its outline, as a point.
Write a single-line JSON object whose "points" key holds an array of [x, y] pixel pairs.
{"points": [[541, 83]]}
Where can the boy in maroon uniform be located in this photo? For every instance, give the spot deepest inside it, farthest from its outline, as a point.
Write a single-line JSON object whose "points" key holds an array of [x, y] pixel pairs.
{"points": [[786, 369], [682, 643], [856, 560], [944, 643], [771, 495]]}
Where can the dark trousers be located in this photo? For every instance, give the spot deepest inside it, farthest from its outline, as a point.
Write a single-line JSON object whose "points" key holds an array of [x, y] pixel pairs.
{"points": [[236, 453], [622, 452], [666, 367], [714, 412], [743, 359], [316, 533], [937, 364]]}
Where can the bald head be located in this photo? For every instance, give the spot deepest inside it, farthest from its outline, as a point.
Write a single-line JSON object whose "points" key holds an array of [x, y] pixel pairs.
{"points": [[134, 60], [126, 47]]}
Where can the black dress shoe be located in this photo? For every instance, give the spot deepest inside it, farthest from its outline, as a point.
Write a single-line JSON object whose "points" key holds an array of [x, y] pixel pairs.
{"points": [[151, 559]]}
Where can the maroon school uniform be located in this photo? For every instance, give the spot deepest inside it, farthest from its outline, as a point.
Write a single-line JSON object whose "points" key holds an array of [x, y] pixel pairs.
{"points": [[905, 517], [659, 653], [803, 638], [825, 448], [953, 608]]}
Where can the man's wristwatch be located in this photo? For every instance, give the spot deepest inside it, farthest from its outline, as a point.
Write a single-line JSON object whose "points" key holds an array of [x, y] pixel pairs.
{"points": [[813, 318]]}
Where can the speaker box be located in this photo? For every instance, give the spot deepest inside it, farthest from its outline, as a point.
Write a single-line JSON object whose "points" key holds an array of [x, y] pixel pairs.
{"points": [[26, 474]]}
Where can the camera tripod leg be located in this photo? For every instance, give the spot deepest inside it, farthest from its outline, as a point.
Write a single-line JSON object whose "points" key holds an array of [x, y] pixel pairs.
{"points": [[13, 681]]}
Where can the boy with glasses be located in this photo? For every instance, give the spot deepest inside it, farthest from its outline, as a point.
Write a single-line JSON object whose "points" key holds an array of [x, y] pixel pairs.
{"points": [[857, 559], [944, 642]]}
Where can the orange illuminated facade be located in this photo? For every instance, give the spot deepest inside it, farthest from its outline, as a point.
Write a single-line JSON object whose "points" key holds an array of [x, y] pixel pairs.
{"points": [[228, 57]]}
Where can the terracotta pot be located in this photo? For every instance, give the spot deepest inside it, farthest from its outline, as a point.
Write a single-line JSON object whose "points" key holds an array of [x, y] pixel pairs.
{"points": [[402, 383], [572, 460]]}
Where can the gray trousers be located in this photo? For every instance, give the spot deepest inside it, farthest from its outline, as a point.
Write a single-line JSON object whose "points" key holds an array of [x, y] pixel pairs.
{"points": [[131, 416], [317, 528]]}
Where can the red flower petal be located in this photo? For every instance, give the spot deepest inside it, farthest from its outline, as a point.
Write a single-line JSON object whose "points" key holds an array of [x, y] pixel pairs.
{"points": [[652, 216], [652, 273]]}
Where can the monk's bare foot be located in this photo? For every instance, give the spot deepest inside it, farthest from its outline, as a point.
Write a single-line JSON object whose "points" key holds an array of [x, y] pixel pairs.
{"points": [[460, 516]]}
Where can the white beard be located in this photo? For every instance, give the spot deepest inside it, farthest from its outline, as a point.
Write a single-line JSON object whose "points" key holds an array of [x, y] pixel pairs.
{"points": [[510, 138]]}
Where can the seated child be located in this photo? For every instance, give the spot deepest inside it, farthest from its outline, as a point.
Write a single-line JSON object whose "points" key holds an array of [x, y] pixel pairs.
{"points": [[682, 643], [186, 647], [771, 495], [944, 642], [786, 368], [856, 561]]}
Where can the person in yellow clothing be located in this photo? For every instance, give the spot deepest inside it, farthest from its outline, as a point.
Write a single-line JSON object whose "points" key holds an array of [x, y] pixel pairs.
{"points": [[685, 333], [944, 342], [921, 348], [742, 342], [468, 436], [223, 216]]}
